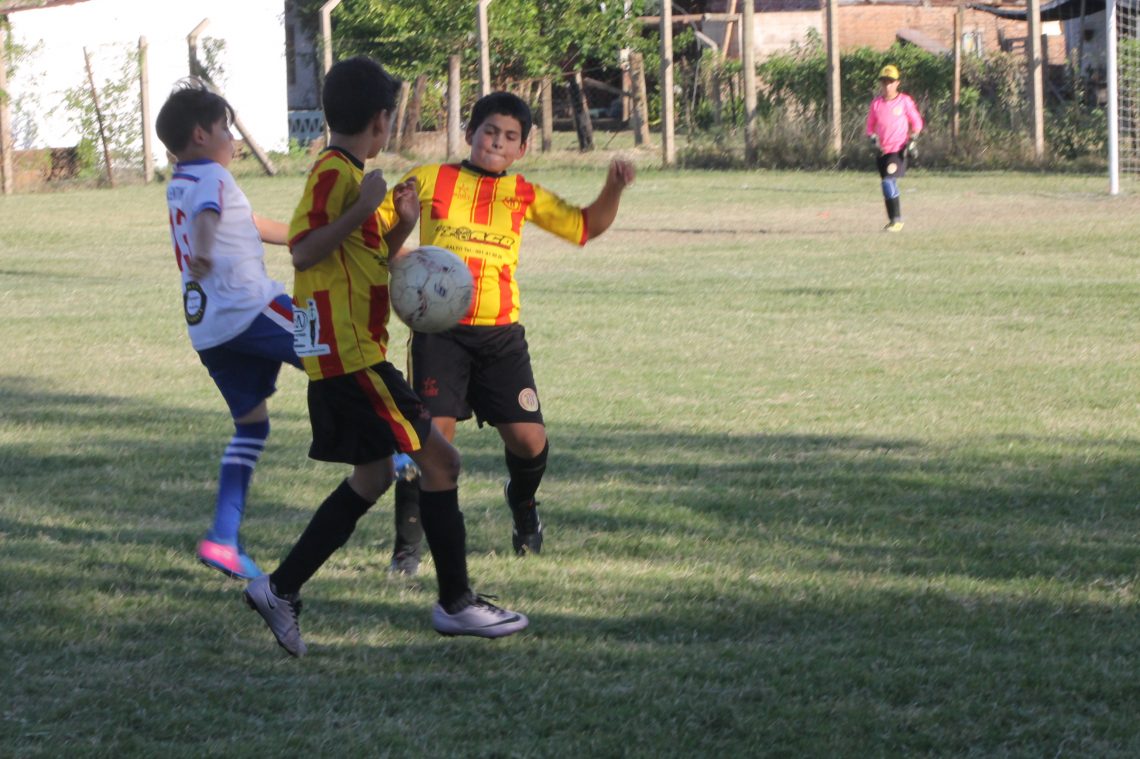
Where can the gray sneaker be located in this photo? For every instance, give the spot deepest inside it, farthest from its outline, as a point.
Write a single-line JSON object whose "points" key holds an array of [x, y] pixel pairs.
{"points": [[280, 613], [405, 561], [478, 617]]}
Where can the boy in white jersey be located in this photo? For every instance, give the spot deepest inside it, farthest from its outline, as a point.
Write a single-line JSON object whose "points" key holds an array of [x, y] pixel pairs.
{"points": [[239, 319]]}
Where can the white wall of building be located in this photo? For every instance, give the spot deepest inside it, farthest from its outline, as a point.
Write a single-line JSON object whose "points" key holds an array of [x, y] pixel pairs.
{"points": [[253, 60]]}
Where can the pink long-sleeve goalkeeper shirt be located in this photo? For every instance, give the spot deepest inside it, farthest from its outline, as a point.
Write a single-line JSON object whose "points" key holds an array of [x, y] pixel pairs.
{"points": [[893, 121]]}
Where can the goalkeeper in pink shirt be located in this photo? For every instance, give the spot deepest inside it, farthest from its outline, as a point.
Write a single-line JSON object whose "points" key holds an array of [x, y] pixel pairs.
{"points": [[893, 122]]}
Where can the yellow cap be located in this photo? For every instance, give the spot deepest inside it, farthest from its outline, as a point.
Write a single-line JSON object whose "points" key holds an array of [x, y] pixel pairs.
{"points": [[889, 71]]}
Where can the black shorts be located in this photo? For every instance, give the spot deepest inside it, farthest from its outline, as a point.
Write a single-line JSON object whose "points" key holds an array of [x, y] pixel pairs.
{"points": [[892, 165], [485, 370], [365, 416]]}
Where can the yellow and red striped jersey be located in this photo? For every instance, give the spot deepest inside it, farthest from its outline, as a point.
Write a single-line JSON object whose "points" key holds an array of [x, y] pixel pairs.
{"points": [[340, 306], [480, 217]]}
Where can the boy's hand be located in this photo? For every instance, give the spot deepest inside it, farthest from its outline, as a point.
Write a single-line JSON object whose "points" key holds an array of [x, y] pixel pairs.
{"points": [[200, 265], [621, 174], [407, 201], [373, 188]]}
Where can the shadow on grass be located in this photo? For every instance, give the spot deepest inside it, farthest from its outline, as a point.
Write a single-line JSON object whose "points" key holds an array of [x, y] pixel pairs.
{"points": [[1003, 507]]}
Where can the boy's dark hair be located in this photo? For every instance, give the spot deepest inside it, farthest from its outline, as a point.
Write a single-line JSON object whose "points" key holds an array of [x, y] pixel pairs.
{"points": [[191, 104], [356, 89], [503, 104]]}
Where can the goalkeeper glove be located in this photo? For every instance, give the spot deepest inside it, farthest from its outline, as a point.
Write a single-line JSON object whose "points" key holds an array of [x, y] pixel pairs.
{"points": [[912, 149]]}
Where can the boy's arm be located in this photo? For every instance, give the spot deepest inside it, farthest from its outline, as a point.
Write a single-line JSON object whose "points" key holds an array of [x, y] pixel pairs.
{"points": [[204, 229], [914, 119], [271, 231], [601, 213], [407, 204], [320, 243]]}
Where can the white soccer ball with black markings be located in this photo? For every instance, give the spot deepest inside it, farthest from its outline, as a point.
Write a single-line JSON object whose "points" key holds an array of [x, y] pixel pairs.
{"points": [[430, 288]]}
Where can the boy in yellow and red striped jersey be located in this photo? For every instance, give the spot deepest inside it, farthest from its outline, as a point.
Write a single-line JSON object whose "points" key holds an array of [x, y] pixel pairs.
{"points": [[361, 409], [482, 366]]}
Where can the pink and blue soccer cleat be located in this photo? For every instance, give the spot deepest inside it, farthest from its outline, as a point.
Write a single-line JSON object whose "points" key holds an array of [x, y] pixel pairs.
{"points": [[229, 559]]}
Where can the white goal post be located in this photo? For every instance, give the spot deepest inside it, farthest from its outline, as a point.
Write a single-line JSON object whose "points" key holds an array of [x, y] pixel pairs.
{"points": [[1122, 67]]}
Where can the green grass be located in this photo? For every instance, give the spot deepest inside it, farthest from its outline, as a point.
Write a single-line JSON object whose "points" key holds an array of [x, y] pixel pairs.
{"points": [[814, 491]]}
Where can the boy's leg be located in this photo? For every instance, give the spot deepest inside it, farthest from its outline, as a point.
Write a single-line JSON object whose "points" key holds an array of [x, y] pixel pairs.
{"points": [[440, 517], [331, 526], [409, 529], [409, 523], [459, 611], [891, 199], [245, 371], [277, 597], [526, 473], [502, 393], [221, 548]]}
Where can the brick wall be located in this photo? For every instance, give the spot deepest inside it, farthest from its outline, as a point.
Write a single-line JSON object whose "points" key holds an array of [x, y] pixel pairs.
{"points": [[875, 26]]}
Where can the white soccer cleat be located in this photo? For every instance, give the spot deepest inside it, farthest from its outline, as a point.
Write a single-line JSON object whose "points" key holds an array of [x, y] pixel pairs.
{"points": [[480, 618]]}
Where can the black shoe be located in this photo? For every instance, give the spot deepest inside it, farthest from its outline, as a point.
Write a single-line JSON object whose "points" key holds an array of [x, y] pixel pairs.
{"points": [[526, 536], [405, 560]]}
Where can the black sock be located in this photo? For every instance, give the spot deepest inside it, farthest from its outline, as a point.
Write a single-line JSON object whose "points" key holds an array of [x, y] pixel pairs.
{"points": [[526, 474], [409, 531], [893, 210], [328, 530], [447, 538]]}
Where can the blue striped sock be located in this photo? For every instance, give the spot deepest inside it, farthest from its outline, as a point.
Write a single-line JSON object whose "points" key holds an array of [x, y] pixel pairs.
{"points": [[238, 462]]}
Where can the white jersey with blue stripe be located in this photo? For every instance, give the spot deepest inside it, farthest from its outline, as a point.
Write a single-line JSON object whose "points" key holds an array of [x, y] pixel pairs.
{"points": [[223, 303]]}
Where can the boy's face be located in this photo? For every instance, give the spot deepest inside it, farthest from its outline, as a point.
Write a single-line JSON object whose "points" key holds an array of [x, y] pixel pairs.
{"points": [[889, 88], [215, 143], [496, 143]]}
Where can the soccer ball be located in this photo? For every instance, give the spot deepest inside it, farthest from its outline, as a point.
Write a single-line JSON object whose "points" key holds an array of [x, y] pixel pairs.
{"points": [[431, 288]]}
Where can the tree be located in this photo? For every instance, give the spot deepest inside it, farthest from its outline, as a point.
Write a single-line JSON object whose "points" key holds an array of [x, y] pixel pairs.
{"points": [[529, 38]]}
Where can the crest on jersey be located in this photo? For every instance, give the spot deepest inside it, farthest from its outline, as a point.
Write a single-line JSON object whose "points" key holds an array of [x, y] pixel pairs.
{"points": [[528, 399], [194, 303]]}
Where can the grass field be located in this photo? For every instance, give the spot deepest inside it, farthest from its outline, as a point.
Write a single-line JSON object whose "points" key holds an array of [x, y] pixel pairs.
{"points": [[814, 491]]}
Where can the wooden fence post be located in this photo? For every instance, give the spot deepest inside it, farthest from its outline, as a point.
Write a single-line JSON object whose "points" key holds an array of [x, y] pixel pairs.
{"points": [[144, 100], [582, 121], [639, 117], [454, 101], [99, 118], [412, 117], [748, 83], [7, 165], [547, 114], [198, 70], [396, 133], [668, 151]]}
